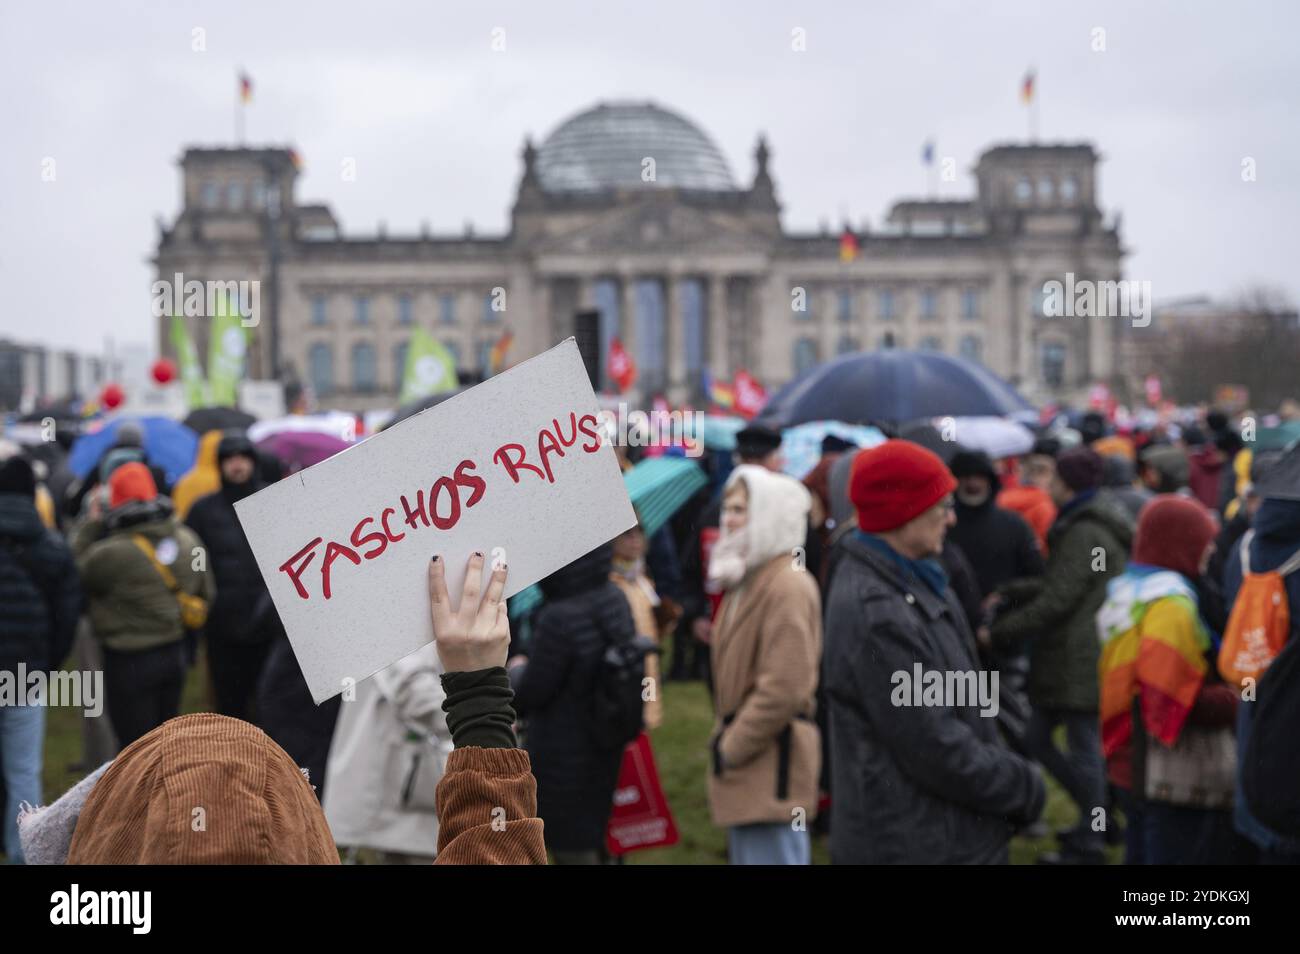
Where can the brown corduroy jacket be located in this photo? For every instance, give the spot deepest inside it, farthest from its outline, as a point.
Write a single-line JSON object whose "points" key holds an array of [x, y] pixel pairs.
{"points": [[208, 789]]}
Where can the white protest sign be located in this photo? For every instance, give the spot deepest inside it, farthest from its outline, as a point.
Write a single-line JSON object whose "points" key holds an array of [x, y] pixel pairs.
{"points": [[514, 468]]}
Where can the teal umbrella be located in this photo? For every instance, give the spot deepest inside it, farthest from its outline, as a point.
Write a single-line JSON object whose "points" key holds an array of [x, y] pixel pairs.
{"points": [[658, 487]]}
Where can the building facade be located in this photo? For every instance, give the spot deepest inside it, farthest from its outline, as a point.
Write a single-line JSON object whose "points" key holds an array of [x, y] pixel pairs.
{"points": [[630, 210]]}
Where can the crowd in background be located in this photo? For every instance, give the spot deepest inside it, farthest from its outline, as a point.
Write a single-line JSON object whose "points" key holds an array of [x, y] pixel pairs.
{"points": [[1100, 576]]}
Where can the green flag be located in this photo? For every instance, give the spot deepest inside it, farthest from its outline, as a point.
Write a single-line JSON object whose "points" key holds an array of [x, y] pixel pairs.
{"points": [[190, 369], [430, 368], [226, 352]]}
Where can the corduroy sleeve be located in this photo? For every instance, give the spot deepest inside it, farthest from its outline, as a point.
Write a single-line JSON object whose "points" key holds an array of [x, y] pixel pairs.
{"points": [[487, 810]]}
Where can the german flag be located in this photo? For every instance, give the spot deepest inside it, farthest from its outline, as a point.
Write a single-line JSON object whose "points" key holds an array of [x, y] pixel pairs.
{"points": [[295, 159], [245, 88], [1027, 88], [849, 246]]}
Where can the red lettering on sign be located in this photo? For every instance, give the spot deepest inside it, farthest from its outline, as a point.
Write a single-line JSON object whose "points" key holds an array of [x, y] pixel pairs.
{"points": [[359, 541], [590, 431], [513, 466], [418, 511], [478, 483], [547, 445], [332, 552], [295, 573], [387, 530], [449, 521]]}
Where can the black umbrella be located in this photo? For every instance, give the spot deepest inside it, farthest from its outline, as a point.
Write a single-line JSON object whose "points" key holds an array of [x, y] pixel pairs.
{"points": [[891, 387], [411, 408], [204, 419]]}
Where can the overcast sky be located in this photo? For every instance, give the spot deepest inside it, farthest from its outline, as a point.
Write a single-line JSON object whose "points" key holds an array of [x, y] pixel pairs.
{"points": [[434, 118]]}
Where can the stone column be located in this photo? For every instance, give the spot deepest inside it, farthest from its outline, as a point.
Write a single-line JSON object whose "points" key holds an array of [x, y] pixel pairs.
{"points": [[719, 360], [675, 358], [627, 323]]}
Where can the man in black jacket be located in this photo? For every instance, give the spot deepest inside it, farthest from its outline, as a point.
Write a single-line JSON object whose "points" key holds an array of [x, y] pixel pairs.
{"points": [[40, 602], [243, 620], [917, 776]]}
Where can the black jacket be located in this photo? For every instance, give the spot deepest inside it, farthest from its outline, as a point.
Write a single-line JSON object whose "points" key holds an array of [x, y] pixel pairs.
{"points": [[40, 591], [911, 784], [583, 611], [243, 611], [998, 543]]}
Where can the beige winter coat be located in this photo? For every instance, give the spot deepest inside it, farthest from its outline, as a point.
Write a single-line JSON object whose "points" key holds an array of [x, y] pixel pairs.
{"points": [[766, 648]]}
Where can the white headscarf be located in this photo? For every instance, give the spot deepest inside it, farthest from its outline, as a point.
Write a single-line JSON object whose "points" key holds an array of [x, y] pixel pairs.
{"points": [[777, 524]]}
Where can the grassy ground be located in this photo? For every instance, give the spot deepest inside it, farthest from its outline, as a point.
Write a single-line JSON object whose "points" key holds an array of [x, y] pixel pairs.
{"points": [[681, 751]]}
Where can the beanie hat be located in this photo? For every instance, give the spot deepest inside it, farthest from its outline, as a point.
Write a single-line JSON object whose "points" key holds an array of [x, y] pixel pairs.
{"points": [[756, 441], [235, 443], [1170, 463], [17, 477], [258, 808], [1080, 469], [895, 482], [1173, 532], [131, 482]]}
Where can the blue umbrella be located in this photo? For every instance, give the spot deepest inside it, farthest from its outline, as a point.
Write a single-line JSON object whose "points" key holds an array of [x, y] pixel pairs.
{"points": [[893, 387], [658, 488], [802, 446], [168, 445]]}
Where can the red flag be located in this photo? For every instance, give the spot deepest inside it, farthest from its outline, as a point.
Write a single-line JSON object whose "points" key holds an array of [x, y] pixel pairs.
{"points": [[1153, 392], [620, 367], [641, 817], [750, 396], [245, 88]]}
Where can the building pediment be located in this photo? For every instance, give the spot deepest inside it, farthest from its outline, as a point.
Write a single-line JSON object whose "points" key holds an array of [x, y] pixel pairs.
{"points": [[657, 222]]}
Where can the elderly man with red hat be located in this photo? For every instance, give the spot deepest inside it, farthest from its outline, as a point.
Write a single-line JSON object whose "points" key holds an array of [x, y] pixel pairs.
{"points": [[920, 774]]}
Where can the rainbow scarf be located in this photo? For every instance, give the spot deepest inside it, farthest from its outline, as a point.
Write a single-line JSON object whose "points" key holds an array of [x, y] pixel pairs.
{"points": [[1153, 645]]}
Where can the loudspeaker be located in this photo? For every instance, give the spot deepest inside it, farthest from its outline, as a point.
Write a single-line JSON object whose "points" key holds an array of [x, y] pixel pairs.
{"points": [[586, 325]]}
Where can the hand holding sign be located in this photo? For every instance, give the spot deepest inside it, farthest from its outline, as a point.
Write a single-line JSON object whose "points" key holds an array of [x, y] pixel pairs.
{"points": [[474, 635]]}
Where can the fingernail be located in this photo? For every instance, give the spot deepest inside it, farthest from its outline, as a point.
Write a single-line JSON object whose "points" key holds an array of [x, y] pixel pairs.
{"points": [[434, 558], [478, 554]]}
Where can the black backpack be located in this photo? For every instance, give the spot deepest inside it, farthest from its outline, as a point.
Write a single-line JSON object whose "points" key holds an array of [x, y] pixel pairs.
{"points": [[616, 697], [1269, 779]]}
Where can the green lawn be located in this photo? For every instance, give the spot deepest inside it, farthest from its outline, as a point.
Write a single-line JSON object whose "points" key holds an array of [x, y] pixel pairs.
{"points": [[681, 751]]}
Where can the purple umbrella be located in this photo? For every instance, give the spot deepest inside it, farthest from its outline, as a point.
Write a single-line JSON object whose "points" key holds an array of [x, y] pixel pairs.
{"points": [[301, 449]]}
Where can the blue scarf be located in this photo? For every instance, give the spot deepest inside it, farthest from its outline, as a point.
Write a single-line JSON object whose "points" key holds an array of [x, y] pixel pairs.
{"points": [[928, 571]]}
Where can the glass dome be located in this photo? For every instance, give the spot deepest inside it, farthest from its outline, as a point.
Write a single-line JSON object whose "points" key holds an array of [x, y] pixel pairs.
{"points": [[607, 146]]}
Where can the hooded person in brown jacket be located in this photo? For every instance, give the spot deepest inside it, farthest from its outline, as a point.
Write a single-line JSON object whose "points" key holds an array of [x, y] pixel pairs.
{"points": [[209, 789], [765, 651]]}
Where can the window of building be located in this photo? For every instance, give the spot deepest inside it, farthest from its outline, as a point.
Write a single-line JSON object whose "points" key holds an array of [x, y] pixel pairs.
{"points": [[235, 195], [887, 340], [929, 304], [257, 194], [844, 307], [1069, 190], [846, 345], [210, 195], [362, 304], [1053, 358], [405, 309], [1024, 190], [1038, 296], [931, 343], [808, 301], [318, 311], [1046, 189], [363, 368], [484, 353], [453, 348], [805, 355], [887, 302], [490, 314], [399, 361], [970, 304], [320, 360], [971, 348], [447, 308]]}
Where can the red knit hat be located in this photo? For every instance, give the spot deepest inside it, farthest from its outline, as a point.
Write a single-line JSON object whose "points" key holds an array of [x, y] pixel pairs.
{"points": [[131, 482], [1173, 532], [895, 482]]}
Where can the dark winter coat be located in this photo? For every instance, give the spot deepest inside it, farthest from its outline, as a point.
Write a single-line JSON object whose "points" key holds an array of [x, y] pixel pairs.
{"points": [[583, 612], [998, 543], [911, 784], [40, 591], [1055, 614], [243, 611]]}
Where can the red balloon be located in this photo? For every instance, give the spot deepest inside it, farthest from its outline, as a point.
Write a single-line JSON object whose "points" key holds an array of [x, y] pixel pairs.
{"points": [[111, 396], [163, 370]]}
